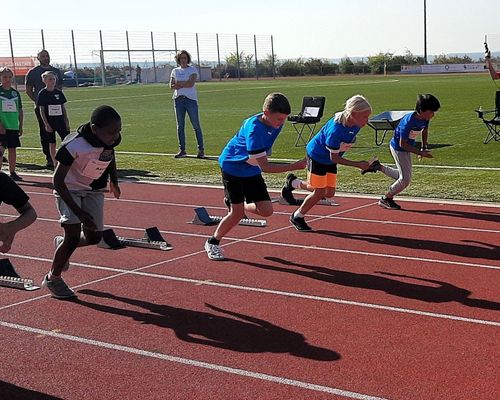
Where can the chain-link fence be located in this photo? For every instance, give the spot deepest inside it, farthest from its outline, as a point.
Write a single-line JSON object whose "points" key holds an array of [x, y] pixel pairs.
{"points": [[109, 57]]}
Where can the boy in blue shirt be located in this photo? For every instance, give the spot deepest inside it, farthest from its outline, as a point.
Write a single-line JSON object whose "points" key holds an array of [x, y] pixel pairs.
{"points": [[325, 150], [242, 162], [403, 144]]}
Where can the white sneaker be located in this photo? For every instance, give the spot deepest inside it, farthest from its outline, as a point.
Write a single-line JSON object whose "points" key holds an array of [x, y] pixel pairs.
{"points": [[57, 242], [214, 251]]}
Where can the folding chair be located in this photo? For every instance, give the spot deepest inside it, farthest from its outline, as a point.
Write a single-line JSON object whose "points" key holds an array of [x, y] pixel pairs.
{"points": [[386, 121], [305, 121], [492, 124]]}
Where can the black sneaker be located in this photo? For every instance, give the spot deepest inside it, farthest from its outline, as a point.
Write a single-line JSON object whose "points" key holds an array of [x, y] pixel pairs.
{"points": [[201, 154], [374, 167], [15, 177], [300, 224], [287, 189], [181, 154], [388, 203]]}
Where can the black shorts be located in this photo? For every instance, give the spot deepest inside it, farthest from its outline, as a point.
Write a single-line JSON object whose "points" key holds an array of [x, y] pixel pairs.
{"points": [[60, 128], [10, 140], [239, 189], [317, 168]]}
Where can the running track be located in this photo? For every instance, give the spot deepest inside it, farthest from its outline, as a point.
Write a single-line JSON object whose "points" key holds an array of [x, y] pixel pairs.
{"points": [[374, 304]]}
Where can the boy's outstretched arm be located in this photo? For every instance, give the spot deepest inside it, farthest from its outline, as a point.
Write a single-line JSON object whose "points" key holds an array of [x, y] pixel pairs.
{"points": [[8, 230], [113, 180], [274, 168]]}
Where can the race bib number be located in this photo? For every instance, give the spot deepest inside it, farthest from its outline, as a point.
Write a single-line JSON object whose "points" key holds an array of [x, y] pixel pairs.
{"points": [[9, 106], [55, 110], [414, 134], [95, 168]]}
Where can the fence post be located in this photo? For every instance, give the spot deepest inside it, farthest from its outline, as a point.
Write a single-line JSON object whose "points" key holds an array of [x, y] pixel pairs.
{"points": [[74, 57], [256, 62], [13, 59], [128, 54], [154, 60], [103, 74], [218, 56], [198, 55], [175, 42], [272, 57], [43, 39], [238, 58]]}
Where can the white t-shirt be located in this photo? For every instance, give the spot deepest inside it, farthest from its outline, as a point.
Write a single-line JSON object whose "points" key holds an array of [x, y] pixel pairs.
{"points": [[182, 75]]}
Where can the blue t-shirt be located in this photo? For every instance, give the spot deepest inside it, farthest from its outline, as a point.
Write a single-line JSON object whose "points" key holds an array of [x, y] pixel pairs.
{"points": [[409, 129], [333, 137], [253, 140]]}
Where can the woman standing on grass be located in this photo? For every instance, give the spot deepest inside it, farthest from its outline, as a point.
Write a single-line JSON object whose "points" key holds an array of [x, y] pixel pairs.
{"points": [[182, 81]]}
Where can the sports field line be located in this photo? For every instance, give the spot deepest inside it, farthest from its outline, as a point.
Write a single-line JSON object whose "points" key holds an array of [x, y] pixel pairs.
{"points": [[192, 363], [167, 93], [251, 239], [193, 206], [141, 153], [139, 272]]}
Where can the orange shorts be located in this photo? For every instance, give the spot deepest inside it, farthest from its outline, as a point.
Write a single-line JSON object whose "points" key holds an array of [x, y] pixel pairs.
{"points": [[321, 176]]}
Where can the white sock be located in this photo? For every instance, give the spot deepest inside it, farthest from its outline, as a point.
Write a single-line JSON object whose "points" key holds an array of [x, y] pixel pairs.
{"points": [[296, 214], [296, 183]]}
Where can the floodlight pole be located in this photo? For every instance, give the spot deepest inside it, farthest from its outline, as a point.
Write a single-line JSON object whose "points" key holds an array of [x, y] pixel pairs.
{"points": [[425, 32]]}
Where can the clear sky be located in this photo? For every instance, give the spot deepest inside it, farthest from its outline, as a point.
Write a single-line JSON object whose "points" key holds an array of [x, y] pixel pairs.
{"points": [[300, 28]]}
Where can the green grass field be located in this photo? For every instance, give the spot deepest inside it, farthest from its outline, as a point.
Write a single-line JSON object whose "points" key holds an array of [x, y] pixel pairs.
{"points": [[149, 126]]}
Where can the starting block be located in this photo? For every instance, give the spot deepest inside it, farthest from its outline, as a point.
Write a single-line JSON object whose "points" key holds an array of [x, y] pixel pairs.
{"points": [[324, 202], [152, 240], [10, 278], [201, 217]]}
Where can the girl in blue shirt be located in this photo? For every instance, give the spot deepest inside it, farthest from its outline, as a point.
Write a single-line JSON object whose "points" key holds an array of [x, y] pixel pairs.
{"points": [[324, 152]]}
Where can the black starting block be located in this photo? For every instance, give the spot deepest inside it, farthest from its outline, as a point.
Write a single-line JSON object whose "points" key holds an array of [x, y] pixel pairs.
{"points": [[10, 278], [324, 202], [152, 240], [201, 217]]}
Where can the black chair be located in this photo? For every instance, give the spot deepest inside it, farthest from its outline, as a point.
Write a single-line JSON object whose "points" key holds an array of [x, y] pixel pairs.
{"points": [[305, 121], [493, 124]]}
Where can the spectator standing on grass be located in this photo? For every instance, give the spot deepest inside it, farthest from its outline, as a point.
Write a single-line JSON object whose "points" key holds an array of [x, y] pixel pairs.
{"points": [[34, 84], [182, 82], [13, 195], [11, 120], [138, 72], [86, 160], [50, 102]]}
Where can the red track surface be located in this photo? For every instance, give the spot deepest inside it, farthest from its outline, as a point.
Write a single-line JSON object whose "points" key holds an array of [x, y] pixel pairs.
{"points": [[372, 304]]}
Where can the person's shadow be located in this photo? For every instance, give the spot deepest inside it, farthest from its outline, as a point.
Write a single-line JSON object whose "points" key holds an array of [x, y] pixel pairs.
{"points": [[484, 250], [231, 331], [483, 215], [440, 292], [9, 391]]}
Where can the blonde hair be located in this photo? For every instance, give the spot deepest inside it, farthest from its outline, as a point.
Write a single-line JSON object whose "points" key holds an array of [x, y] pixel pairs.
{"points": [[356, 103], [48, 73], [4, 70]]}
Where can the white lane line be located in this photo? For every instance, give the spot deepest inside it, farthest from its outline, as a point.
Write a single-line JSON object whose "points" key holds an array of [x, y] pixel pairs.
{"points": [[140, 272], [252, 240], [184, 205], [193, 363], [145, 153]]}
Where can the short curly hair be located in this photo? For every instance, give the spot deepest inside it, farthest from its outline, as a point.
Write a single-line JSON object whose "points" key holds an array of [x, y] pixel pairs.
{"points": [[179, 54]]}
